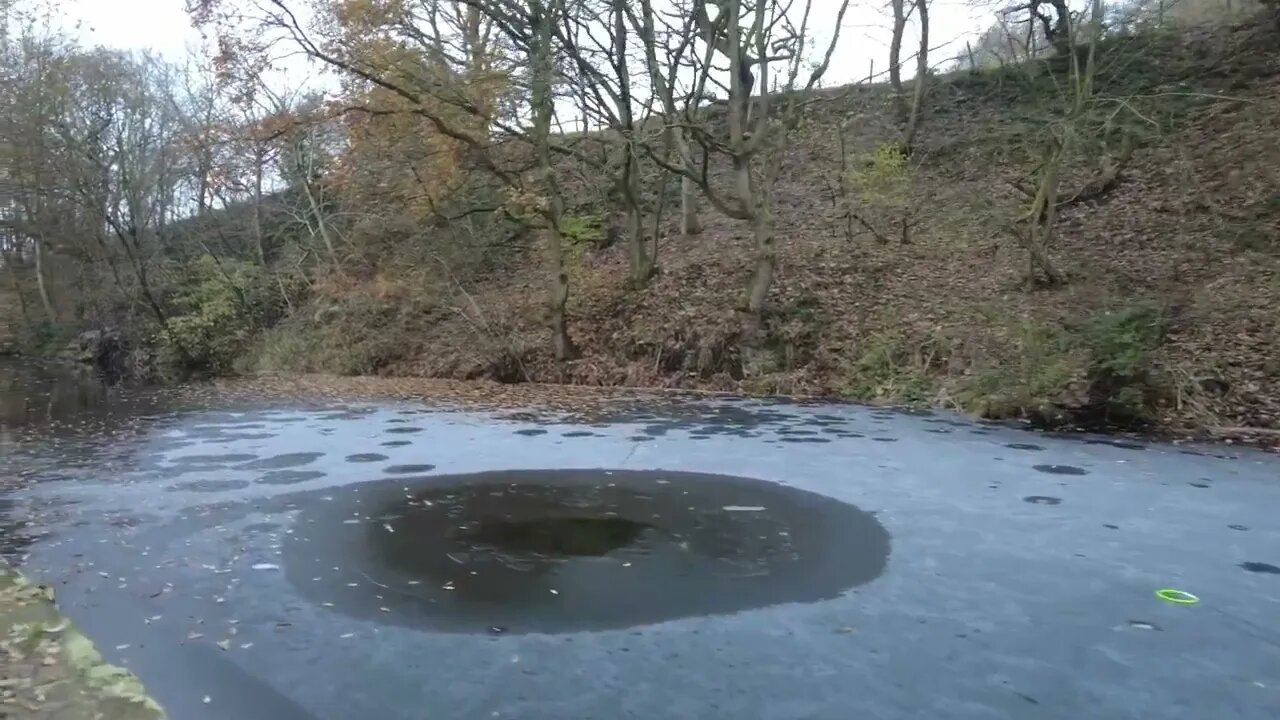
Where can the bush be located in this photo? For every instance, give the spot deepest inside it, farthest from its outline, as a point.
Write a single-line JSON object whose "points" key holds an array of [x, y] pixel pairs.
{"points": [[1125, 384], [1098, 374], [897, 368], [358, 335], [224, 304], [44, 338], [582, 230], [1043, 365]]}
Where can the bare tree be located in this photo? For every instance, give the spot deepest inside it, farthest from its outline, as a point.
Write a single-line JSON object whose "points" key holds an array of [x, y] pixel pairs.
{"points": [[922, 77], [1061, 141], [895, 58], [458, 88], [766, 47], [598, 42]]}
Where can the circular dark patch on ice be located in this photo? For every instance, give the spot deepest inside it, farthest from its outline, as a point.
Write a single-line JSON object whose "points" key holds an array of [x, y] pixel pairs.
{"points": [[1261, 567], [396, 443], [1023, 446], [1116, 444], [289, 477], [404, 430], [407, 469], [1239, 527], [1061, 469], [885, 439], [531, 432], [225, 459], [365, 457], [552, 551], [279, 462], [578, 434], [1042, 500], [210, 486]]}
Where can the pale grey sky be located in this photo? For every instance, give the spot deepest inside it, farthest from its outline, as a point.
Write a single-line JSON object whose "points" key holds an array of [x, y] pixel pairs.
{"points": [[163, 26]]}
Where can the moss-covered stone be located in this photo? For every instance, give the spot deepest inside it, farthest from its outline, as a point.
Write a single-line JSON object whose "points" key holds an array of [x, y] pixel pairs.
{"points": [[51, 670]]}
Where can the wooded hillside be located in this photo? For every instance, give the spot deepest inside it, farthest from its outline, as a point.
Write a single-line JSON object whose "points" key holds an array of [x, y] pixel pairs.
{"points": [[1075, 220]]}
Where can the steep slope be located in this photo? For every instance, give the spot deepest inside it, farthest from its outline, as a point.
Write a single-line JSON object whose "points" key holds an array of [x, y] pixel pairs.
{"points": [[1168, 317]]}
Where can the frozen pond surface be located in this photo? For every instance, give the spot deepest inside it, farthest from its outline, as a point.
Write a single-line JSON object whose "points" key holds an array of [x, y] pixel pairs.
{"points": [[721, 559]]}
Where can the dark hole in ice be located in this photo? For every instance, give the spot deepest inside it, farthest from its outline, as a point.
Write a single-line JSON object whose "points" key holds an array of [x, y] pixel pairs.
{"points": [[288, 477], [554, 551], [1042, 500], [1116, 444], [1238, 527], [1023, 446], [232, 437], [226, 459], [554, 537], [396, 443], [578, 434], [366, 457], [210, 485], [1198, 484], [1261, 567], [804, 440], [1061, 469], [885, 439], [407, 469], [280, 462], [530, 432], [404, 430]]}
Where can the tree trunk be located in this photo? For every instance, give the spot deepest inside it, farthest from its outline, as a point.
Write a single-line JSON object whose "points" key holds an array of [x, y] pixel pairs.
{"points": [[689, 223], [762, 277], [642, 264], [922, 77], [17, 286], [541, 77], [321, 226], [895, 59], [561, 344], [1044, 213], [257, 210], [50, 312]]}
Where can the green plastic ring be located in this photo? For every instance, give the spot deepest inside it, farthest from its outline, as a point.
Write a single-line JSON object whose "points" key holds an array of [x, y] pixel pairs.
{"points": [[1177, 597]]}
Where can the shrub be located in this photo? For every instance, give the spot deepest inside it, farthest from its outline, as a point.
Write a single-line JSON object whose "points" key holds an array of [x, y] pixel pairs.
{"points": [[582, 230], [1036, 377], [224, 304], [1124, 382], [897, 368]]}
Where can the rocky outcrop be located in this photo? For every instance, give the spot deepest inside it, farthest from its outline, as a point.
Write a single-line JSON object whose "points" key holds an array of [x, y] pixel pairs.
{"points": [[105, 350]]}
